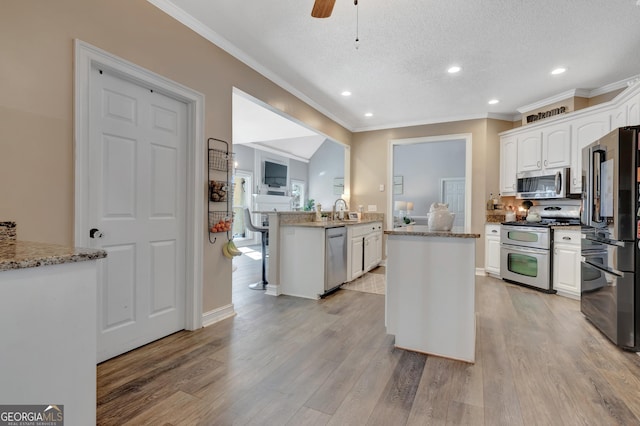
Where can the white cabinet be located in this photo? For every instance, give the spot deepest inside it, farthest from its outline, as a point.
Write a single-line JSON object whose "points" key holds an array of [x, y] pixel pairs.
{"points": [[508, 165], [357, 254], [546, 148], [584, 131], [365, 248], [529, 151], [492, 249], [556, 146], [566, 263], [372, 249], [626, 114]]}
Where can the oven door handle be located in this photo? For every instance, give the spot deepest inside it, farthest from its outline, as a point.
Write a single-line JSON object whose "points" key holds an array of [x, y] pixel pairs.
{"points": [[609, 271], [606, 241], [524, 249]]}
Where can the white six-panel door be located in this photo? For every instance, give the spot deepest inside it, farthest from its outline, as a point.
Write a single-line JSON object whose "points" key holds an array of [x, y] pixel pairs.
{"points": [[453, 194], [137, 198]]}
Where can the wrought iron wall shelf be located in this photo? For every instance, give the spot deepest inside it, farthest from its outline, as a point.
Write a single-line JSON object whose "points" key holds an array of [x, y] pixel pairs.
{"points": [[220, 189]]}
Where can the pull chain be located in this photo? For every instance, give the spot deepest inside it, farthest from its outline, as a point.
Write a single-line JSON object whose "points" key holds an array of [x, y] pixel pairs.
{"points": [[357, 43]]}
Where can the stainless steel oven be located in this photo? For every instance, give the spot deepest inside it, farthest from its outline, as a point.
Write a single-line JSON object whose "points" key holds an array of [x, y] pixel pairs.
{"points": [[525, 255]]}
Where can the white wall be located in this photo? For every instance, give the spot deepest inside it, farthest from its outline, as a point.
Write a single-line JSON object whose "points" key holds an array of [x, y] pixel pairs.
{"points": [[326, 164]]}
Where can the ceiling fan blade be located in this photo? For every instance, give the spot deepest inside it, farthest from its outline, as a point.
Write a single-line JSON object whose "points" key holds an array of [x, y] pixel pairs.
{"points": [[322, 8]]}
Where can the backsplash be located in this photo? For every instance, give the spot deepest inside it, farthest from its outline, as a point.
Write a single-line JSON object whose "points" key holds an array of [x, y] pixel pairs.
{"points": [[7, 231]]}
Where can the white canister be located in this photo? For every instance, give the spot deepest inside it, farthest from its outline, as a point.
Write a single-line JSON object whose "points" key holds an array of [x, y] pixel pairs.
{"points": [[510, 217]]}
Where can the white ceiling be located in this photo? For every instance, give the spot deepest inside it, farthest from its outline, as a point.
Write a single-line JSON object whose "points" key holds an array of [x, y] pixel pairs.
{"points": [[506, 48]]}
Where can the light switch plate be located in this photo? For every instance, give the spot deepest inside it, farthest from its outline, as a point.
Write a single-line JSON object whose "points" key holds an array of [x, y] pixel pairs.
{"points": [[381, 187]]}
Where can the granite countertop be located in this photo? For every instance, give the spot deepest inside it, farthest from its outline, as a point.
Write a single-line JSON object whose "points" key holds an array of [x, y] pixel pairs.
{"points": [[423, 231], [331, 223], [28, 254]]}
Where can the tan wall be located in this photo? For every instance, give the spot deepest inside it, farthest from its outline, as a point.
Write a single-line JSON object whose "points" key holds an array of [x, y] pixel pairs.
{"points": [[370, 165], [36, 104]]}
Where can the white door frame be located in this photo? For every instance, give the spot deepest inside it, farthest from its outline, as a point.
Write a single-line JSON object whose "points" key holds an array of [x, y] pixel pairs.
{"points": [[86, 56]]}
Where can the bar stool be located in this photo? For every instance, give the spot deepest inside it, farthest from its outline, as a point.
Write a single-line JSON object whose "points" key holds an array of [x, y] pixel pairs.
{"points": [[264, 232]]}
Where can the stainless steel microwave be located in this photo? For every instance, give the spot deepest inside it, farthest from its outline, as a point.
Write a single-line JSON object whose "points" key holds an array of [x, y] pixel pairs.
{"points": [[543, 184]]}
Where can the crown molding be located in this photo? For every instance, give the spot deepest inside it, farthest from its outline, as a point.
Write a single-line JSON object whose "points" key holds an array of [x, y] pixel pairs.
{"points": [[199, 28], [622, 84], [496, 116], [553, 99]]}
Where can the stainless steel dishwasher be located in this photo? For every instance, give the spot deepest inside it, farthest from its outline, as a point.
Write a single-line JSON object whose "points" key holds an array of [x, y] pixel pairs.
{"points": [[335, 272]]}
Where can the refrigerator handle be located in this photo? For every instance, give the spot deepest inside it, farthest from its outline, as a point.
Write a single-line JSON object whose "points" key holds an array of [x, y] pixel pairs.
{"points": [[596, 162]]}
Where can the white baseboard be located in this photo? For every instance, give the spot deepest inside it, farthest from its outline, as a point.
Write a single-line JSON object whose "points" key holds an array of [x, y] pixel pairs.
{"points": [[218, 315], [273, 290], [480, 271]]}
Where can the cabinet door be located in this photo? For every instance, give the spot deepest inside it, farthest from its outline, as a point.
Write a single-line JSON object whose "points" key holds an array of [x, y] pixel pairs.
{"points": [[492, 249], [556, 146], [583, 132], [529, 151], [627, 114], [566, 270], [378, 249], [508, 165], [357, 253], [370, 249]]}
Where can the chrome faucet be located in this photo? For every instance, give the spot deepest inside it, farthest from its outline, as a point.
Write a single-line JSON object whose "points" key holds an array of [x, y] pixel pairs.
{"points": [[346, 207]]}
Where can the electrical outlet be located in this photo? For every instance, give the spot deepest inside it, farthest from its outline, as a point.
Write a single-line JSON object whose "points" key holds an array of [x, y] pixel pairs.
{"points": [[381, 187], [372, 208]]}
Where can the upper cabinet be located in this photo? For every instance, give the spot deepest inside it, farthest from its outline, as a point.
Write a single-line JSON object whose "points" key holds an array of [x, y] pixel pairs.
{"points": [[586, 130], [559, 142], [508, 164], [529, 151], [546, 148], [556, 146]]}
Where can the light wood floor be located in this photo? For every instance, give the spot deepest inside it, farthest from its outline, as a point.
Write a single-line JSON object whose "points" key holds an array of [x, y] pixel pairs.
{"points": [[291, 361]]}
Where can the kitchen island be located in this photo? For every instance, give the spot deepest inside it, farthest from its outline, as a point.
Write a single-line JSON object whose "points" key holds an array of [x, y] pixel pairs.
{"points": [[430, 291], [48, 326]]}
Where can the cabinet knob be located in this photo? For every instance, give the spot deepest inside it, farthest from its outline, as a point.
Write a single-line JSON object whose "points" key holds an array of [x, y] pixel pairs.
{"points": [[538, 164], [546, 163]]}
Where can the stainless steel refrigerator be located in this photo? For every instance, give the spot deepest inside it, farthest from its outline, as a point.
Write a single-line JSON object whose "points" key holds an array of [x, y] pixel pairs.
{"points": [[610, 293]]}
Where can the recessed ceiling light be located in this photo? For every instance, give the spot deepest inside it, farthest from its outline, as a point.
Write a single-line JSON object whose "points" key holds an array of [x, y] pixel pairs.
{"points": [[558, 71], [454, 69], [346, 93], [493, 101], [368, 114]]}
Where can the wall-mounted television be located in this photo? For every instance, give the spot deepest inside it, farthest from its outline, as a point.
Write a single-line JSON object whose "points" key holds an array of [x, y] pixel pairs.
{"points": [[275, 175]]}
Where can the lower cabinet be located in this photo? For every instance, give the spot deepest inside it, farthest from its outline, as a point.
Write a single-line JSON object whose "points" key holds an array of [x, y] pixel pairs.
{"points": [[492, 249], [357, 254], [365, 248], [566, 263]]}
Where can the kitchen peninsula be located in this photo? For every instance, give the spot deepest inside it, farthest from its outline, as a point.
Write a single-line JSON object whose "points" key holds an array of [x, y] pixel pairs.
{"points": [[48, 325], [298, 256], [430, 292]]}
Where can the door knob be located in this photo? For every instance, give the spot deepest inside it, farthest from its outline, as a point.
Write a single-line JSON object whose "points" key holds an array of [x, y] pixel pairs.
{"points": [[95, 233]]}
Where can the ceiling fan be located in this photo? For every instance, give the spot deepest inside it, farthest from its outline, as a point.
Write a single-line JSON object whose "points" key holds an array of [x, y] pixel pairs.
{"points": [[322, 8]]}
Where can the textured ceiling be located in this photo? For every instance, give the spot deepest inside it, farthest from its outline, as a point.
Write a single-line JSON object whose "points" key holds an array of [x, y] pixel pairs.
{"points": [[506, 49]]}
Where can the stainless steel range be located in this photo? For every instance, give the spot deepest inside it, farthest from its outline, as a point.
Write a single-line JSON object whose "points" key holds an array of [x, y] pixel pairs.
{"points": [[525, 246]]}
